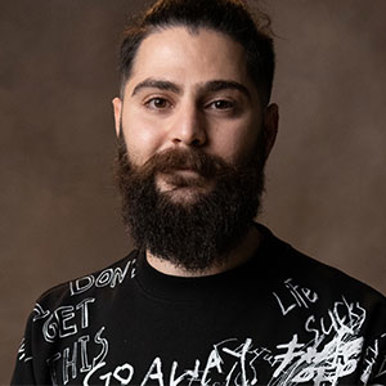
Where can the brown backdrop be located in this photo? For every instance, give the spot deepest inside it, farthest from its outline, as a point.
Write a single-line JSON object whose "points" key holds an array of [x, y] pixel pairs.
{"points": [[59, 210]]}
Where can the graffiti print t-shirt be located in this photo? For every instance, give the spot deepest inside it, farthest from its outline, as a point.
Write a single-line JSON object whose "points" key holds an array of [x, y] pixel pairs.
{"points": [[282, 318]]}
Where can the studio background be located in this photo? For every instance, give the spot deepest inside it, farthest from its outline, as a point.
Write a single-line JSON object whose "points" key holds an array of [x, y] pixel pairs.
{"points": [[59, 210]]}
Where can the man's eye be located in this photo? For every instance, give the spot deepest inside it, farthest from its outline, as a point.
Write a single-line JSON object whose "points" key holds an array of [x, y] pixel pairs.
{"points": [[221, 105], [157, 103]]}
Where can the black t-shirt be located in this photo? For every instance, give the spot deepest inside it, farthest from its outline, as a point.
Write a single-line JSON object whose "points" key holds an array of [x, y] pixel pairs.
{"points": [[282, 318]]}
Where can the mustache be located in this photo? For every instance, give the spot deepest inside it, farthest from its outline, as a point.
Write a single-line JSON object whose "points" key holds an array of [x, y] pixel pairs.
{"points": [[204, 164]]}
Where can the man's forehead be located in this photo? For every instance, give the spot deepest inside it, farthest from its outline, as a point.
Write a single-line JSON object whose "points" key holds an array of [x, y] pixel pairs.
{"points": [[178, 56]]}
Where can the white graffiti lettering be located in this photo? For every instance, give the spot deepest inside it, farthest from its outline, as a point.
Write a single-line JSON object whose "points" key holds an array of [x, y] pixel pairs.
{"points": [[328, 356], [62, 322], [332, 353], [154, 373], [228, 359], [22, 352], [188, 374], [295, 296], [372, 353], [51, 362], [122, 374], [109, 277], [372, 357], [71, 361], [39, 313]]}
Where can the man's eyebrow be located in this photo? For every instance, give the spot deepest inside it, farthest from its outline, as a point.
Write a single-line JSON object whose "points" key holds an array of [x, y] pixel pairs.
{"points": [[211, 86], [157, 83], [218, 85]]}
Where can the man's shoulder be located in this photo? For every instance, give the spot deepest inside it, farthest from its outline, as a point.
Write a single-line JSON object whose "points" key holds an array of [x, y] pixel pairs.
{"points": [[295, 265], [333, 279], [90, 285]]}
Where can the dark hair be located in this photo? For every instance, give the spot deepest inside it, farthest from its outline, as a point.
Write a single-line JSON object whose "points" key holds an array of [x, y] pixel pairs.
{"points": [[231, 17]]}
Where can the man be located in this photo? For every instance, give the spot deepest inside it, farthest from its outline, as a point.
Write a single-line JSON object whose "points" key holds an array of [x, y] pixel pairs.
{"points": [[209, 297]]}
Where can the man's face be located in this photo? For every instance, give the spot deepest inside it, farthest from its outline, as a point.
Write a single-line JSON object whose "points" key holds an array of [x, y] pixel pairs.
{"points": [[189, 91], [193, 138]]}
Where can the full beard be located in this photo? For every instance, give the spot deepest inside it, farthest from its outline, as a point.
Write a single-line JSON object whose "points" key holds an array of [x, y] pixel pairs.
{"points": [[200, 233]]}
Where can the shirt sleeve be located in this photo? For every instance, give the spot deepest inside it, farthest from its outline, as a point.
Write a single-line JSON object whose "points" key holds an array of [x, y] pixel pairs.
{"points": [[24, 373]]}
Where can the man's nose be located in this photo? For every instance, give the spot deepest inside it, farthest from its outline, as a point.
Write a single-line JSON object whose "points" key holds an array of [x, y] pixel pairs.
{"points": [[188, 126]]}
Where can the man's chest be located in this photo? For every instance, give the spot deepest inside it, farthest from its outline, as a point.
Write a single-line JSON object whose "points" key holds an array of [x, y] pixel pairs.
{"points": [[276, 340]]}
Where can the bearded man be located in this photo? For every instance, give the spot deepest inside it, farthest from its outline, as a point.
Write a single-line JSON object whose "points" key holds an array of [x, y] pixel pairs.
{"points": [[209, 297]]}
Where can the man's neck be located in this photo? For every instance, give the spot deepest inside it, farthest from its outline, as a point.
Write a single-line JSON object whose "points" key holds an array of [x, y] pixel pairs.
{"points": [[237, 256]]}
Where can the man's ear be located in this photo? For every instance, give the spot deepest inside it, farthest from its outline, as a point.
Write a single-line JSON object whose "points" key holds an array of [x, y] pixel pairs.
{"points": [[117, 105], [271, 124]]}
